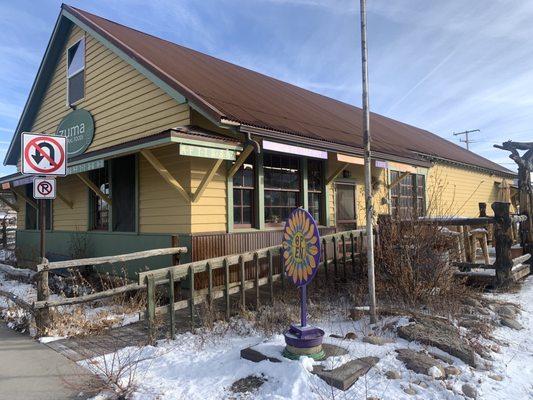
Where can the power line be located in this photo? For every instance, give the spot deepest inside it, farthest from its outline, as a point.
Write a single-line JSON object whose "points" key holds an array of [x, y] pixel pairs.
{"points": [[467, 138]]}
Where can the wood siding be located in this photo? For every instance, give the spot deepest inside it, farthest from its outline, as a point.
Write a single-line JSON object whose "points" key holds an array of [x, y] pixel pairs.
{"points": [[161, 208], [125, 105], [75, 218], [209, 213], [454, 191]]}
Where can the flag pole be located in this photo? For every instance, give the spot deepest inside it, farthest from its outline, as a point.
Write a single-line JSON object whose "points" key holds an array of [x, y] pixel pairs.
{"points": [[368, 169]]}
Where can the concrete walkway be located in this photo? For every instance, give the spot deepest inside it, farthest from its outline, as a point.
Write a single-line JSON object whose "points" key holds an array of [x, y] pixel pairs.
{"points": [[30, 370]]}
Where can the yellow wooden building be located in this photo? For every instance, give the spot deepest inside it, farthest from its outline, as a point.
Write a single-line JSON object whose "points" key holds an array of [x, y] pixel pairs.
{"points": [[167, 145]]}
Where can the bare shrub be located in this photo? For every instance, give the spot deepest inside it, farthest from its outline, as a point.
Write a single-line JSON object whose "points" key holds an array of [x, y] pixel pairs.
{"points": [[97, 316], [414, 267]]}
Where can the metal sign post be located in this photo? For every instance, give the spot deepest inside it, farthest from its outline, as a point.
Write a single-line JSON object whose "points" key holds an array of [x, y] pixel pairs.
{"points": [[301, 258]]}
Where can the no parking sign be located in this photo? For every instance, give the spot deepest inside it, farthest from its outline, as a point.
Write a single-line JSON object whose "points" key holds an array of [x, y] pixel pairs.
{"points": [[44, 188], [43, 154]]}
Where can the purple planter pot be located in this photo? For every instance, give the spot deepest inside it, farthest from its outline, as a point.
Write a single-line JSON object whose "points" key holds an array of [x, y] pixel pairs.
{"points": [[303, 338]]}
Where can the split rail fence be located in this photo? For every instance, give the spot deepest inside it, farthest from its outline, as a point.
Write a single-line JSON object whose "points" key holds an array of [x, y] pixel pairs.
{"points": [[338, 250]]}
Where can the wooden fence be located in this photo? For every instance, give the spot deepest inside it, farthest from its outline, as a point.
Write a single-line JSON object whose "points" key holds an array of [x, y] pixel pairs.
{"points": [[43, 304], [339, 249]]}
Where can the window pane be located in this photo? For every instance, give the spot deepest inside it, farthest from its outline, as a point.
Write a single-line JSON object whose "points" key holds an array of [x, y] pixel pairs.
{"points": [[247, 215], [76, 87], [76, 58], [99, 208]]}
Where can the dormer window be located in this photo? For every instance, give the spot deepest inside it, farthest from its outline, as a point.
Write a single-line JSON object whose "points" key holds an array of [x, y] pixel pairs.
{"points": [[75, 72]]}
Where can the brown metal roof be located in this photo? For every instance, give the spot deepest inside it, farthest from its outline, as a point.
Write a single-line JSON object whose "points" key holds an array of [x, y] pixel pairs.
{"points": [[225, 90]]}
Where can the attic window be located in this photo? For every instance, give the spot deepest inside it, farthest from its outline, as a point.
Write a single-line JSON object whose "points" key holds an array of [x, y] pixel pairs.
{"points": [[75, 71]]}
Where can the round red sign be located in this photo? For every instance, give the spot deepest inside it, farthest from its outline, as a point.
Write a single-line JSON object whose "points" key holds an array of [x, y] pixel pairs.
{"points": [[55, 155]]}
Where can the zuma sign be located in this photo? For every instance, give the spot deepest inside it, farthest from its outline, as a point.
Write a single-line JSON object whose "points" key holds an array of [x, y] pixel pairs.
{"points": [[44, 154], [78, 128]]}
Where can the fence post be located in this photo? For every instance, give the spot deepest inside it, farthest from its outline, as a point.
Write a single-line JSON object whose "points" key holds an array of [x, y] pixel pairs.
{"points": [[172, 315], [343, 242], [335, 255], [502, 225], [243, 282], [352, 251], [43, 316], [270, 273], [150, 306], [256, 264], [191, 296], [361, 245], [325, 253], [209, 284], [282, 266], [4, 234], [226, 287]]}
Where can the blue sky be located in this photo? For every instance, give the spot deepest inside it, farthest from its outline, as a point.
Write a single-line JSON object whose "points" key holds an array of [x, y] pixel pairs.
{"points": [[440, 65]]}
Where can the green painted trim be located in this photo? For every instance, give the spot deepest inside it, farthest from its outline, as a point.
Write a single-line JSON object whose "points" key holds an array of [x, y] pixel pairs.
{"points": [[190, 150], [204, 143], [137, 193], [122, 152], [109, 206], [304, 183], [229, 198], [324, 212], [327, 217], [260, 192]]}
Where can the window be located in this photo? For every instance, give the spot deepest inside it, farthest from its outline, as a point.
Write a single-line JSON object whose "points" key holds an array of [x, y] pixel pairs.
{"points": [[243, 195], [345, 206], [408, 196], [118, 181], [282, 186], [32, 220], [314, 187], [99, 208], [31, 212], [75, 71], [123, 185]]}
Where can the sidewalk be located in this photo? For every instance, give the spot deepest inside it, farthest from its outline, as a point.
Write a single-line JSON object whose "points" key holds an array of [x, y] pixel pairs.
{"points": [[30, 370]]}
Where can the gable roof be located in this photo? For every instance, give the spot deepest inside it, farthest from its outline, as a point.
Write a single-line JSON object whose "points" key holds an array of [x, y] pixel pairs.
{"points": [[225, 91]]}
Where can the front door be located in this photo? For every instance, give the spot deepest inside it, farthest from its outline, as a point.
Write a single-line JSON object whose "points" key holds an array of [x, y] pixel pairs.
{"points": [[345, 206]]}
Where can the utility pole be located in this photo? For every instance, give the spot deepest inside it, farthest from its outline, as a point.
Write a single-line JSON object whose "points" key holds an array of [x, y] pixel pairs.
{"points": [[368, 170], [467, 139]]}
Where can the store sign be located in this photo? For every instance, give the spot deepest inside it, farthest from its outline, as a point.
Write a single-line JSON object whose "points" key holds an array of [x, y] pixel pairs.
{"points": [[206, 152], [78, 128], [89, 166], [350, 159], [382, 164], [295, 150]]}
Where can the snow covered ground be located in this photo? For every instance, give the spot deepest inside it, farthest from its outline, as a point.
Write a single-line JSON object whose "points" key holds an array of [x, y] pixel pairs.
{"points": [[17, 318], [205, 365]]}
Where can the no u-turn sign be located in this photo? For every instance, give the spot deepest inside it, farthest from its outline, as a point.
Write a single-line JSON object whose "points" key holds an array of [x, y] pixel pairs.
{"points": [[43, 154]]}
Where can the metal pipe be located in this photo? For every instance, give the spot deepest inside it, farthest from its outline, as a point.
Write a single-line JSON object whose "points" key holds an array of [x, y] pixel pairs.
{"points": [[368, 169]]}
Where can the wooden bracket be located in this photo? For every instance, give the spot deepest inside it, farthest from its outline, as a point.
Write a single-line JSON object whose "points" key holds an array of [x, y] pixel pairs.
{"points": [[13, 206], [242, 158], [165, 174], [398, 180], [25, 198], [205, 181], [67, 202], [337, 172], [85, 179]]}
